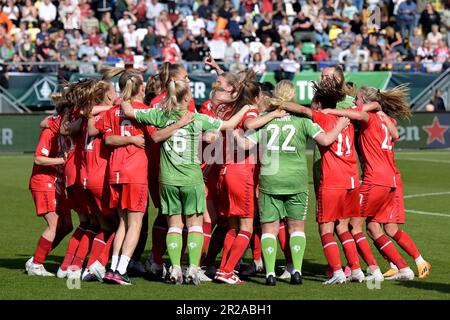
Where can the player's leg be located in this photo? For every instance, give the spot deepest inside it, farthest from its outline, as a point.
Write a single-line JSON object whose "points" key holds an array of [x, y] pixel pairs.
{"points": [[350, 250], [233, 227], [136, 267], [84, 247], [117, 246], [240, 244], [194, 245], [65, 227], [154, 262], [174, 242], [331, 251], [283, 239], [44, 246]]}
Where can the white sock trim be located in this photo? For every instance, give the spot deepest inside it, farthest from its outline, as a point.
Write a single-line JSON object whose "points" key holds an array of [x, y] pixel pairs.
{"points": [[267, 235], [271, 274], [298, 234], [175, 230], [198, 229]]}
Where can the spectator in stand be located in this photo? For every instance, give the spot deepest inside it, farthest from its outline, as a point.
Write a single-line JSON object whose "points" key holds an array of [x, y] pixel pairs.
{"points": [[7, 51], [183, 36], [46, 52], [26, 48], [445, 19], [365, 35], [237, 66], [225, 10], [43, 33], [89, 23], [127, 19], [428, 18], [299, 56], [171, 52], [86, 66], [406, 17], [248, 30], [434, 36], [131, 39], [352, 58], [267, 28], [102, 50], [86, 49], [163, 24], [155, 50], [375, 62], [230, 51], [69, 14], [234, 25], [434, 66], [211, 23], [290, 66], [349, 10], [120, 7], [12, 11], [257, 65], [140, 12], [415, 42], [47, 12], [29, 13], [284, 30], [335, 51], [115, 39], [267, 49], [149, 39], [425, 52], [196, 23], [205, 9], [442, 52], [193, 56], [331, 14], [356, 23], [282, 50], [106, 24], [150, 65], [154, 9], [320, 55], [303, 28], [438, 102], [273, 65], [84, 6], [394, 41], [321, 29], [312, 8], [347, 37], [65, 49], [75, 39]]}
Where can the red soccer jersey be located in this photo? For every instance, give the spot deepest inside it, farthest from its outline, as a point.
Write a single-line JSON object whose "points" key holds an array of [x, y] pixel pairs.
{"points": [[377, 152], [95, 156], [339, 161], [73, 162], [206, 108], [43, 178], [156, 102], [127, 164]]}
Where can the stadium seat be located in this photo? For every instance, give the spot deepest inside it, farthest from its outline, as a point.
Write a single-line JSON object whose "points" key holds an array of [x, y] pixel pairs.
{"points": [[308, 48]]}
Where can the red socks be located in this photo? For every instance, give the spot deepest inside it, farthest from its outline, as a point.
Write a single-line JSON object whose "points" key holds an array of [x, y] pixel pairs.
{"points": [[83, 248], [73, 246], [406, 243], [387, 247], [350, 251], [97, 247], [159, 232], [228, 243], [255, 243], [331, 250], [240, 244], [283, 238], [364, 249], [43, 249], [207, 227], [103, 258]]}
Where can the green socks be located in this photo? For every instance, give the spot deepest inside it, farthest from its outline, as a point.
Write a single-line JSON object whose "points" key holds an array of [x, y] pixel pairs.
{"points": [[269, 249], [195, 244], [174, 241], [297, 244]]}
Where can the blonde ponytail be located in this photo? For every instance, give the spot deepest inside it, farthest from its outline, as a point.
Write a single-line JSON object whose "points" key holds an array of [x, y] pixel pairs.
{"points": [[284, 92], [393, 101]]}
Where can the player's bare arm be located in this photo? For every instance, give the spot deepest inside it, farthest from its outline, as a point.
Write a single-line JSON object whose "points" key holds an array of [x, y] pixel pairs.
{"points": [[261, 121], [127, 109], [327, 138], [234, 120], [371, 107], [242, 141], [119, 141], [298, 108], [167, 132], [70, 128], [351, 114], [45, 161], [392, 128], [44, 123]]}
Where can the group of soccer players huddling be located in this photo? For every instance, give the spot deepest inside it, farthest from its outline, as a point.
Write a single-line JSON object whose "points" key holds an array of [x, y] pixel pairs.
{"points": [[102, 154]]}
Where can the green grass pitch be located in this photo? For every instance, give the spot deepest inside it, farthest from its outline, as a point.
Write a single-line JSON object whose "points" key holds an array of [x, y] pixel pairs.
{"points": [[423, 172]]}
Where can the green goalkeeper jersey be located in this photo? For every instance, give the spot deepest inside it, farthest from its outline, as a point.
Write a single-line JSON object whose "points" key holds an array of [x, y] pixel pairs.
{"points": [[179, 162], [283, 142], [317, 165]]}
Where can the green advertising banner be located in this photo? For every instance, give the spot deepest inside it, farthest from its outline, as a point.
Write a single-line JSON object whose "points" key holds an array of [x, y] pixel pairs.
{"points": [[304, 88], [32, 89], [20, 133]]}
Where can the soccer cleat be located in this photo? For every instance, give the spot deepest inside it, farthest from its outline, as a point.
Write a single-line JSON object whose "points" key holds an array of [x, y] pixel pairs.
{"points": [[98, 270], [73, 273], [61, 274], [193, 275], [374, 275], [122, 279], [347, 271], [219, 273], [337, 278], [28, 264], [403, 274], [109, 277], [136, 268], [271, 280], [210, 272], [202, 276], [296, 278], [39, 270], [259, 265], [287, 272], [250, 271], [228, 278], [423, 269], [176, 275], [356, 276], [87, 276], [390, 273]]}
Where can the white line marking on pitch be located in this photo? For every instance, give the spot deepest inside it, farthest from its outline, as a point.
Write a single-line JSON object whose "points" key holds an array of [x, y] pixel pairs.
{"points": [[429, 213], [424, 159], [425, 195]]}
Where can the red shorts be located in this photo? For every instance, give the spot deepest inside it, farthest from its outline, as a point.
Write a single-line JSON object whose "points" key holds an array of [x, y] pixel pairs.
{"points": [[335, 204], [49, 201], [77, 197], [153, 187], [399, 205], [376, 202], [237, 193], [211, 185], [97, 201], [129, 196]]}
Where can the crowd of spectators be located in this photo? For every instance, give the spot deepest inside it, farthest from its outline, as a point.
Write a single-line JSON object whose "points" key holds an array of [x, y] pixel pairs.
{"points": [[281, 36]]}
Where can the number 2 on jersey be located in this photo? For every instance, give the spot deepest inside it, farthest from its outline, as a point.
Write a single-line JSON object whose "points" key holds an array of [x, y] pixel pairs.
{"points": [[276, 135]]}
